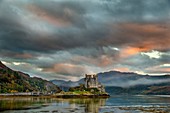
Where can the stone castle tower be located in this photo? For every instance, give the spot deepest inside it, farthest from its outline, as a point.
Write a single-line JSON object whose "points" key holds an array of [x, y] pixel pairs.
{"points": [[91, 81]]}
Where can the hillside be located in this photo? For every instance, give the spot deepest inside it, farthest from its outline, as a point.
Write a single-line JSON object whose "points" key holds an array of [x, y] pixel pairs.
{"points": [[160, 89], [15, 81], [127, 83]]}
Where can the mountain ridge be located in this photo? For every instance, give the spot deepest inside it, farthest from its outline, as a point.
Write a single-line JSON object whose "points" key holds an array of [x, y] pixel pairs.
{"points": [[105, 77], [127, 82]]}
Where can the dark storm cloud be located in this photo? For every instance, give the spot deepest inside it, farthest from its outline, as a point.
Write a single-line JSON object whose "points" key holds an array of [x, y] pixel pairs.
{"points": [[94, 31], [165, 58], [138, 10], [71, 12], [78, 33]]}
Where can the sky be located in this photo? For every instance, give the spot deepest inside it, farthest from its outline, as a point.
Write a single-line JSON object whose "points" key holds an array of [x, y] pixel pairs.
{"points": [[65, 39]]}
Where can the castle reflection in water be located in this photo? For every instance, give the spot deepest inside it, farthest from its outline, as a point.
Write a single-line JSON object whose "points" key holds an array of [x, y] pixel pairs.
{"points": [[91, 105]]}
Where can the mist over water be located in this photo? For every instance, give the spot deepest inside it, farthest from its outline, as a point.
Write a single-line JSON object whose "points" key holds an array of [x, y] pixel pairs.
{"points": [[141, 81]]}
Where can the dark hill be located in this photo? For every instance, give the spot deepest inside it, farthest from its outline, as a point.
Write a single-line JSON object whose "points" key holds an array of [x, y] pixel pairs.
{"points": [[15, 81]]}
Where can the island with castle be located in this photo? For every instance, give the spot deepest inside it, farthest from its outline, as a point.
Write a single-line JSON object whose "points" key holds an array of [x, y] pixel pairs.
{"points": [[91, 88]]}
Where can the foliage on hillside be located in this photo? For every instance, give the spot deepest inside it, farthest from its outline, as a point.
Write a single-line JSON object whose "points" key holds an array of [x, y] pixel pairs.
{"points": [[14, 81]]}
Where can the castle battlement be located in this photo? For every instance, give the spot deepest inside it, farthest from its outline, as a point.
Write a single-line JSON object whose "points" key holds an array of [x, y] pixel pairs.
{"points": [[91, 81]]}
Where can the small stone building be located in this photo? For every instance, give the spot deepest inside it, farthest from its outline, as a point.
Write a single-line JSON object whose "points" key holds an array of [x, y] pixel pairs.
{"points": [[91, 81]]}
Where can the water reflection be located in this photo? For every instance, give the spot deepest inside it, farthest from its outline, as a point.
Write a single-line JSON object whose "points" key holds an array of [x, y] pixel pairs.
{"points": [[19, 103], [30, 104], [90, 105]]}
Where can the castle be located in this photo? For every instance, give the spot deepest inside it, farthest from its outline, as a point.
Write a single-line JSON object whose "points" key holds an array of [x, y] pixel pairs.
{"points": [[91, 81]]}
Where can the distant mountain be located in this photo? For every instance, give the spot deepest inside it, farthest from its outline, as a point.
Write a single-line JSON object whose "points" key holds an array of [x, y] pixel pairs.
{"points": [[15, 81], [65, 85], [155, 89], [127, 83], [125, 79]]}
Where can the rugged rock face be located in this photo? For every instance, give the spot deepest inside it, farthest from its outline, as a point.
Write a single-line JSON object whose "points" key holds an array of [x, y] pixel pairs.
{"points": [[15, 81]]}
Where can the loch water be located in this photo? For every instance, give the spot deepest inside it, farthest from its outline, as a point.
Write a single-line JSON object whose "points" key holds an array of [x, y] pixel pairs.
{"points": [[114, 104]]}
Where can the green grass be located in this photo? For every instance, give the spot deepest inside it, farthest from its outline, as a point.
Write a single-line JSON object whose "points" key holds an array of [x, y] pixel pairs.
{"points": [[77, 92]]}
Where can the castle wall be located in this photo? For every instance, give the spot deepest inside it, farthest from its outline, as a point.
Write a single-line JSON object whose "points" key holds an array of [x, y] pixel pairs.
{"points": [[91, 81]]}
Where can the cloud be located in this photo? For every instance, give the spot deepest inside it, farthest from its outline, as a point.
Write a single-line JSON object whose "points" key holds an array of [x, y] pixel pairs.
{"points": [[97, 33], [67, 69], [153, 54], [164, 68], [90, 36]]}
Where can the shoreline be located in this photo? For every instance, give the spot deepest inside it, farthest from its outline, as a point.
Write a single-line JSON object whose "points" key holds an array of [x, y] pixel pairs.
{"points": [[83, 96], [60, 96]]}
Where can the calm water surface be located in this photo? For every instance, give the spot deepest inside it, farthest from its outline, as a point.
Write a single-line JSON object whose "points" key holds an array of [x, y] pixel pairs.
{"points": [[116, 104]]}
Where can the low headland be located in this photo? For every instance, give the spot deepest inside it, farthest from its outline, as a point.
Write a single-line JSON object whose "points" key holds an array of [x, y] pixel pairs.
{"points": [[82, 92], [74, 92], [91, 89]]}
